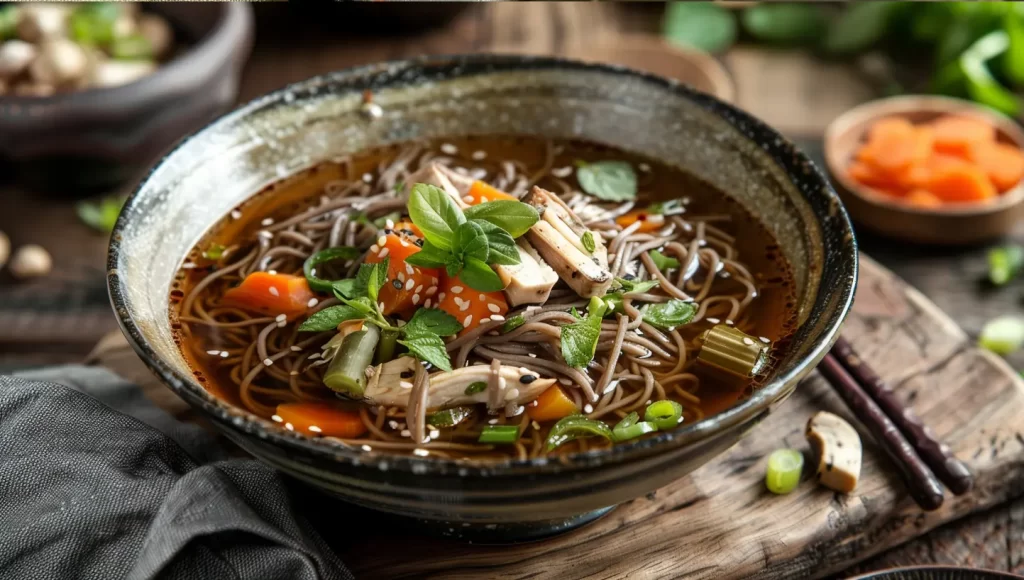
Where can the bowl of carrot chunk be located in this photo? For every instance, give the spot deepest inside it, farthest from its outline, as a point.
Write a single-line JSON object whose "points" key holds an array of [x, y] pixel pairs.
{"points": [[928, 169]]}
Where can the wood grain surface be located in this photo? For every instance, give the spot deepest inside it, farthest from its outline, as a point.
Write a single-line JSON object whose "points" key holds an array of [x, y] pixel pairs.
{"points": [[61, 319]]}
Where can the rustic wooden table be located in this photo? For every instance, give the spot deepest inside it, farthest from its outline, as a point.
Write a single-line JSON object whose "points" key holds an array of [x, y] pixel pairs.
{"points": [[59, 319]]}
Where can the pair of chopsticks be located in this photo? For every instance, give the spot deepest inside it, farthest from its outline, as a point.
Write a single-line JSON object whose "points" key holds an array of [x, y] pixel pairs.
{"points": [[922, 459]]}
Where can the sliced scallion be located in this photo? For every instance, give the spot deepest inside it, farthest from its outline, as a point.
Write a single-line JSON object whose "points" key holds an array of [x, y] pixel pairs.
{"points": [[784, 469], [499, 434], [664, 414], [729, 349], [631, 427], [1004, 264], [347, 371], [575, 427], [449, 417], [1002, 335], [388, 344], [322, 257]]}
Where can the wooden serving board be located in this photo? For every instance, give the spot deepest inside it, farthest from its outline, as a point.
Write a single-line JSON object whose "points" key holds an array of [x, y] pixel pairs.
{"points": [[720, 522]]}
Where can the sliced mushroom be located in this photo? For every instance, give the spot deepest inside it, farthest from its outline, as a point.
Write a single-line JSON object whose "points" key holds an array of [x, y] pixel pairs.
{"points": [[453, 183], [112, 73], [38, 22], [15, 56], [60, 63], [31, 261], [558, 237], [392, 381], [159, 34], [838, 448], [5, 249], [531, 280]]}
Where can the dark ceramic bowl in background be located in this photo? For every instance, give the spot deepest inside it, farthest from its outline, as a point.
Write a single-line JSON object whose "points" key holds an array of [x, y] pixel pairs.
{"points": [[98, 138], [937, 573], [319, 119]]}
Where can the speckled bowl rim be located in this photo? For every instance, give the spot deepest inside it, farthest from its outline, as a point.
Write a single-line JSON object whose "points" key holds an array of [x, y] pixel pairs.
{"points": [[785, 154], [881, 574]]}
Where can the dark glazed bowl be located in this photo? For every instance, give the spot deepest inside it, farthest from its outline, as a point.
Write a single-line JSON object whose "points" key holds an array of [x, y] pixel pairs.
{"points": [[211, 172], [937, 573], [97, 138]]}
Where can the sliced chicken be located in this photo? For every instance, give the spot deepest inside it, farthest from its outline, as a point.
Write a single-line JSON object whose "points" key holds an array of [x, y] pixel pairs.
{"points": [[531, 280], [391, 385], [453, 183], [558, 237]]}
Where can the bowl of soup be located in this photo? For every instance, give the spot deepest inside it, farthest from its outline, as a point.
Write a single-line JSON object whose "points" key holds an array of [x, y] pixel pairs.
{"points": [[496, 294]]}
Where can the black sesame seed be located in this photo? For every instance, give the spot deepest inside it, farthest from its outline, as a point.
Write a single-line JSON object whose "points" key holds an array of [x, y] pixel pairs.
{"points": [[527, 379], [419, 243], [407, 374], [397, 284], [629, 277], [387, 231]]}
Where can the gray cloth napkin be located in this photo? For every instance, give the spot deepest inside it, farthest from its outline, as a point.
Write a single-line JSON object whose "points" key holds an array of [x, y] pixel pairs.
{"points": [[97, 482]]}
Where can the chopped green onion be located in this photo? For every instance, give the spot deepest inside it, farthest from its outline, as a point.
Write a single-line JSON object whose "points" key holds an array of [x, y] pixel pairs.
{"points": [[663, 262], [664, 414], [499, 434], [631, 427], [588, 241], [388, 344], [731, 350], [449, 417], [575, 427], [784, 469], [477, 387], [614, 302], [1004, 264], [513, 323], [324, 256], [347, 371], [1002, 335], [214, 252]]}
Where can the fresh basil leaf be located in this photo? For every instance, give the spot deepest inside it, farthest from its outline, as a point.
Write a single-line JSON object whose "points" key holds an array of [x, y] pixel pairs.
{"points": [[789, 23], [429, 256], [702, 25], [477, 387], [608, 180], [502, 248], [309, 267], [663, 262], [479, 276], [636, 285], [513, 323], [428, 347], [579, 339], [377, 277], [471, 242], [588, 241], [102, 215], [1013, 60], [432, 321], [345, 288], [361, 304], [614, 302], [453, 266], [329, 318], [860, 27], [671, 314], [434, 212], [515, 217]]}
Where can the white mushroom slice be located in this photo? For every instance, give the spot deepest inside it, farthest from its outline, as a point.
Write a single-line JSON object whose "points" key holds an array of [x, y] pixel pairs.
{"points": [[114, 73], [15, 56], [38, 22], [453, 183], [159, 34], [531, 280], [558, 237], [60, 62], [391, 384], [838, 448]]}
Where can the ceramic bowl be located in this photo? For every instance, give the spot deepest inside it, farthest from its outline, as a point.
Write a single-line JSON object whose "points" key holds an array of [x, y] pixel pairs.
{"points": [[285, 131], [937, 573], [950, 225], [97, 138]]}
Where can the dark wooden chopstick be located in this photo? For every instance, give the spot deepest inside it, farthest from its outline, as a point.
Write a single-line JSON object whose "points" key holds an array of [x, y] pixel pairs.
{"points": [[950, 470], [922, 483]]}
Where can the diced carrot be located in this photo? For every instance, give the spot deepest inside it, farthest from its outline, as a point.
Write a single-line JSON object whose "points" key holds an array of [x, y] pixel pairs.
{"points": [[1003, 163], [408, 287], [480, 192], [960, 183], [895, 150], [649, 222], [923, 198], [470, 307], [319, 418], [270, 294], [954, 135], [552, 404]]}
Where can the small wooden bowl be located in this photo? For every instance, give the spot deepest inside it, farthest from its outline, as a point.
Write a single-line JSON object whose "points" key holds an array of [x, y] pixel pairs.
{"points": [[955, 224]]}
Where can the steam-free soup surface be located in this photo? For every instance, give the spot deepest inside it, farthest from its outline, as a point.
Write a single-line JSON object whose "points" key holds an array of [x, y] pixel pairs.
{"points": [[241, 299]]}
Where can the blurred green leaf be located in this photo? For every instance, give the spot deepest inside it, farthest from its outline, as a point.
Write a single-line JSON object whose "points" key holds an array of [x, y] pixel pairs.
{"points": [[702, 25], [981, 85], [1013, 60], [858, 28], [783, 23], [8, 21], [101, 215], [929, 20]]}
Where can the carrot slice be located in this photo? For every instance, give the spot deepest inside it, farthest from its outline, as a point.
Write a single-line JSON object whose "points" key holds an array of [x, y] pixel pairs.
{"points": [[870, 176], [270, 294], [480, 192], [552, 404], [1003, 163], [649, 222], [954, 135], [895, 150], [408, 287], [887, 126], [323, 419], [918, 176], [961, 183], [470, 307], [923, 198]]}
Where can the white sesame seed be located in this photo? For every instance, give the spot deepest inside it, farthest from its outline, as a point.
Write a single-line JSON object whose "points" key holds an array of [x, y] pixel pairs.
{"points": [[467, 198], [268, 362], [235, 214], [456, 289], [427, 303], [409, 284], [296, 348], [434, 433], [431, 290], [380, 306], [421, 452], [497, 318], [314, 356], [467, 321], [224, 354], [747, 341], [272, 272], [415, 299], [565, 381], [405, 433], [463, 306], [405, 384], [648, 402], [492, 422], [478, 155], [714, 320], [188, 265], [367, 177], [516, 411], [281, 318], [535, 425], [315, 429], [401, 276], [273, 291], [494, 308], [276, 418], [482, 297], [404, 244], [588, 408], [409, 270], [382, 241], [531, 355], [562, 171], [312, 302], [384, 253], [764, 339], [440, 297], [367, 448], [449, 149], [289, 426], [644, 167], [267, 222], [511, 394], [374, 249], [393, 424], [293, 373], [532, 308], [729, 322], [213, 352], [265, 234], [419, 288]]}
